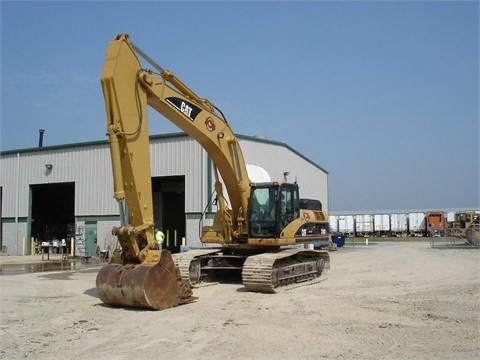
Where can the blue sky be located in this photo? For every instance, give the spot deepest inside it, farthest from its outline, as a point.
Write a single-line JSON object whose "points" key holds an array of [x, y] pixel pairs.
{"points": [[383, 95]]}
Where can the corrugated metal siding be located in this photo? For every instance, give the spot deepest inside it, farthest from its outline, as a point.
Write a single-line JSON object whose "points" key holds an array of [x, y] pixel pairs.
{"points": [[182, 156], [12, 232], [89, 167], [8, 176], [94, 182]]}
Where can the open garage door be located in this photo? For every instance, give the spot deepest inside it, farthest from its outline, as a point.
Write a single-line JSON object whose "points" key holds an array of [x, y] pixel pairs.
{"points": [[169, 209], [52, 209]]}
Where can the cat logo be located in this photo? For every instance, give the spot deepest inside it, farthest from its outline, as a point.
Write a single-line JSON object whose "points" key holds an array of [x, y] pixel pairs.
{"points": [[186, 108]]}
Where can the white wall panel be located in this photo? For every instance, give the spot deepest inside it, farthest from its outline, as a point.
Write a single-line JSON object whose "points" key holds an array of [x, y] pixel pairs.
{"points": [[398, 222], [364, 223], [417, 221], [333, 220], [346, 223], [382, 222]]}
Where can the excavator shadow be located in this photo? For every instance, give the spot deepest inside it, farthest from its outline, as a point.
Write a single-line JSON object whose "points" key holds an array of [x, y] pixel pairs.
{"points": [[221, 277], [227, 278], [92, 292]]}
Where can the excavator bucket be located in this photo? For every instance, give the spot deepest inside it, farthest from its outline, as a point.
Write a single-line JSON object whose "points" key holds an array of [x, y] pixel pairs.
{"points": [[148, 286]]}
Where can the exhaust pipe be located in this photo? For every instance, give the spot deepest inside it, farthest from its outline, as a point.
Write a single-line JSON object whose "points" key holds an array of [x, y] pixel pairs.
{"points": [[40, 137]]}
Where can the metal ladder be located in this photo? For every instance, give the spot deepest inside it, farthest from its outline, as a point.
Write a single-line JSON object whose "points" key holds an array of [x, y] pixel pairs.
{"points": [[78, 233]]}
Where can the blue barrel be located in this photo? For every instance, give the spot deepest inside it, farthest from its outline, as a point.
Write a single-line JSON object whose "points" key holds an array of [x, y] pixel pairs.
{"points": [[339, 240]]}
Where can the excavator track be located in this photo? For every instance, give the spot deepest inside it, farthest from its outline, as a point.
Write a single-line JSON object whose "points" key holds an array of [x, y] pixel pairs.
{"points": [[267, 271], [189, 264]]}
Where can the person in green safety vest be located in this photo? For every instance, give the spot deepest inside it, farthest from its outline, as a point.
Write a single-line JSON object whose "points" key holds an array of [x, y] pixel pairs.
{"points": [[159, 236]]}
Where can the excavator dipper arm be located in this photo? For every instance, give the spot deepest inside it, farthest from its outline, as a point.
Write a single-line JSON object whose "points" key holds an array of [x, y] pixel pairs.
{"points": [[139, 275]]}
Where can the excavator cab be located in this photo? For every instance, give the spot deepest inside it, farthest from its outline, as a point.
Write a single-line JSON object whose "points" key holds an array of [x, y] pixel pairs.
{"points": [[272, 207]]}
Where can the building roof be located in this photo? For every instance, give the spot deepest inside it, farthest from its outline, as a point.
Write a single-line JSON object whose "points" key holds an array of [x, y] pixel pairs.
{"points": [[153, 137]]}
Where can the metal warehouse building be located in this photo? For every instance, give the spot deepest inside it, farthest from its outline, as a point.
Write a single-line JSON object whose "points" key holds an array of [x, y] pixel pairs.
{"points": [[64, 192]]}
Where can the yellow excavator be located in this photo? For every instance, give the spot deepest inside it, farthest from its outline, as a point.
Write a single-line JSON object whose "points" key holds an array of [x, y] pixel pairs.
{"points": [[259, 226]]}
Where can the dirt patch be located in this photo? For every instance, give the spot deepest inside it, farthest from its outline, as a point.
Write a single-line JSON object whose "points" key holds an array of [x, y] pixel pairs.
{"points": [[386, 301]]}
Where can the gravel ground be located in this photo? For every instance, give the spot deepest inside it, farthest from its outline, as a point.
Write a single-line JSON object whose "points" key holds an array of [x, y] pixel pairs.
{"points": [[381, 301]]}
